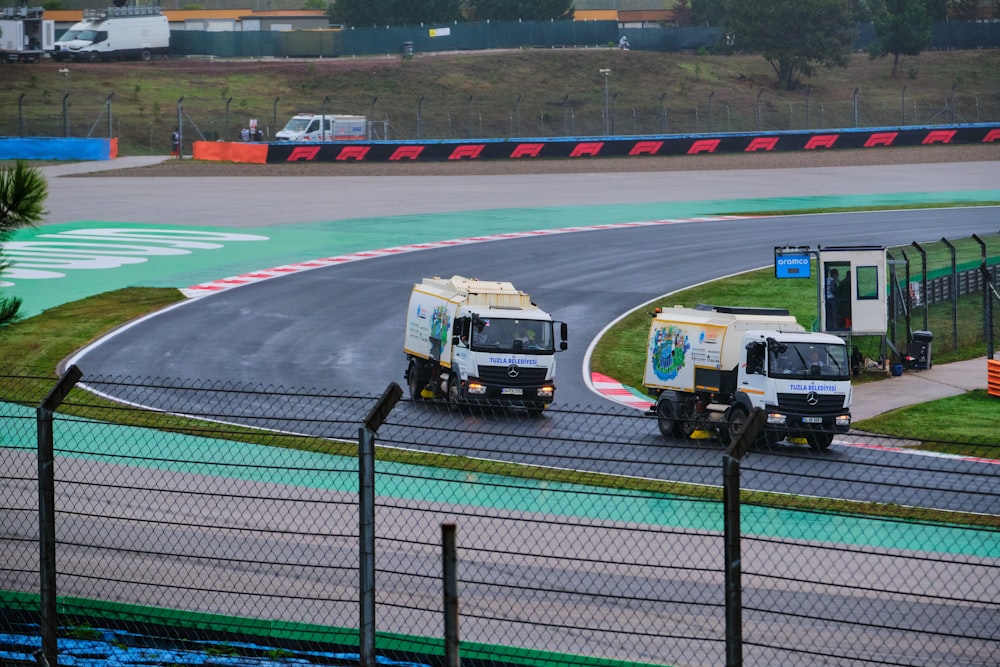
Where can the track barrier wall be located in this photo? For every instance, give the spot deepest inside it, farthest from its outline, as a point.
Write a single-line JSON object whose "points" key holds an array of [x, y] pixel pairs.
{"points": [[591, 147], [993, 377]]}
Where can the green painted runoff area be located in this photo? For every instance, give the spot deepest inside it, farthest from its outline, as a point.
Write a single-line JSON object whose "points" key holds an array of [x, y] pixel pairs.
{"points": [[287, 244], [194, 455]]}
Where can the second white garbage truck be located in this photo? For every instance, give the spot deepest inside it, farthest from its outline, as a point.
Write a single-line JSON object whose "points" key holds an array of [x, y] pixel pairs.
{"points": [[478, 341], [710, 367]]}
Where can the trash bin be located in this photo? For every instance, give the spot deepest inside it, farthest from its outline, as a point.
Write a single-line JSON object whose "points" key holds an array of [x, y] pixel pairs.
{"points": [[919, 350], [408, 49]]}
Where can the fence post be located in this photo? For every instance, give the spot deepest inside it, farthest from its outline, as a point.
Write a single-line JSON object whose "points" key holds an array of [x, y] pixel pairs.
{"points": [[987, 332], [923, 281], [366, 520], [954, 294], [47, 512], [450, 570], [731, 509]]}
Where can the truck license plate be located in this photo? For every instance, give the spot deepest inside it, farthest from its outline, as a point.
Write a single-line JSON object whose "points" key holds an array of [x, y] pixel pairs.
{"points": [[812, 420], [511, 391]]}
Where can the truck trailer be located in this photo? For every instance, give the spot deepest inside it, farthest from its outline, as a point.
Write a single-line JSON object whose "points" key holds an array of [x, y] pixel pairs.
{"points": [[25, 35], [116, 33], [710, 367], [330, 127], [480, 342]]}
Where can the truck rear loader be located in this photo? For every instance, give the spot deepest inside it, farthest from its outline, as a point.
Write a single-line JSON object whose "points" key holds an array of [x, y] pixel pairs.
{"points": [[710, 367], [478, 341]]}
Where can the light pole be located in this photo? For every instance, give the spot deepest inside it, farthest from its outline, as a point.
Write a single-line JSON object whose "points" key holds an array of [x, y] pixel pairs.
{"points": [[607, 74]]}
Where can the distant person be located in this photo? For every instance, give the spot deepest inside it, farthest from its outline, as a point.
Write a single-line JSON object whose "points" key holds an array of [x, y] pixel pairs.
{"points": [[832, 306], [623, 43], [175, 143], [244, 134], [258, 134]]}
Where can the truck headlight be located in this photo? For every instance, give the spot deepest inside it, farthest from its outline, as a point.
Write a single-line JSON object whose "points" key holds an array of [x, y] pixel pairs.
{"points": [[476, 388], [843, 420], [546, 391], [776, 418]]}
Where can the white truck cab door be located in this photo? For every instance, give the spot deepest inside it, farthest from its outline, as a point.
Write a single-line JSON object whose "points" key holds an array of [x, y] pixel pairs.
{"points": [[752, 379]]}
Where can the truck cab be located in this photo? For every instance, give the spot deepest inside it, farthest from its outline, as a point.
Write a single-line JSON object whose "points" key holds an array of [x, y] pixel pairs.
{"points": [[801, 381]]}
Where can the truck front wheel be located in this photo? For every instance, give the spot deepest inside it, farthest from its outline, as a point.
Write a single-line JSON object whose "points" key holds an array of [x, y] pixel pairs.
{"points": [[454, 389], [819, 440], [736, 416]]}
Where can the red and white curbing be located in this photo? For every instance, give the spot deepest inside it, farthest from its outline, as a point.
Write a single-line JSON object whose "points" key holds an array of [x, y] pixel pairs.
{"points": [[222, 284]]}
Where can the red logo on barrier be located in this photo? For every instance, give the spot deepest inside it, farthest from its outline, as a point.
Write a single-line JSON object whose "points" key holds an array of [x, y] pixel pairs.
{"points": [[881, 139], [704, 146], [991, 136], [471, 151], [406, 153], [646, 148], [822, 141], [939, 137], [527, 150], [587, 148], [303, 153], [762, 143], [353, 153]]}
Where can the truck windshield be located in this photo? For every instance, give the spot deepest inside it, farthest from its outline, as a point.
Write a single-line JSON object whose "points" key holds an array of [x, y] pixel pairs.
{"points": [[69, 36], [803, 361], [513, 335], [297, 125]]}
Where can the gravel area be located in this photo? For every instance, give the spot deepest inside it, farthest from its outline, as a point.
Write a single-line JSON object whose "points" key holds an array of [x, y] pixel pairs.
{"points": [[790, 160]]}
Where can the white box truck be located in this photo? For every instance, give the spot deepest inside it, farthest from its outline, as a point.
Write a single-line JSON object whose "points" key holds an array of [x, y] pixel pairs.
{"points": [[25, 35], [115, 33], [317, 127], [710, 367], [478, 341]]}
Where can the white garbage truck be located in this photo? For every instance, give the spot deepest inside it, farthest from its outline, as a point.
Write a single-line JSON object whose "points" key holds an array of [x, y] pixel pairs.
{"points": [[710, 367], [478, 341]]}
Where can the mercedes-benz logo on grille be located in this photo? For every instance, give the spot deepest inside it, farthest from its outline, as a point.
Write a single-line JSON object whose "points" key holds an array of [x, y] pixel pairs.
{"points": [[812, 398], [513, 371]]}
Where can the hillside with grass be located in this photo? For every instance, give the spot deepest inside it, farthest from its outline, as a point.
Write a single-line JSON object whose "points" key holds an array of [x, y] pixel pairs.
{"points": [[523, 93]]}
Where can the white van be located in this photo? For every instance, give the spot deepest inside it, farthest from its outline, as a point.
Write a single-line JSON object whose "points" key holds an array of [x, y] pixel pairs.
{"points": [[339, 127], [116, 33]]}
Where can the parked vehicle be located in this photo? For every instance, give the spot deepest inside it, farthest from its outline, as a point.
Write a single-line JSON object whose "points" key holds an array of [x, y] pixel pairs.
{"points": [[316, 127], [476, 341], [710, 367], [25, 35], [117, 33]]}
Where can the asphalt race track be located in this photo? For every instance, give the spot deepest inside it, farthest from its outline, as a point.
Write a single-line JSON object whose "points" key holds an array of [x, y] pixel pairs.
{"points": [[339, 329]]}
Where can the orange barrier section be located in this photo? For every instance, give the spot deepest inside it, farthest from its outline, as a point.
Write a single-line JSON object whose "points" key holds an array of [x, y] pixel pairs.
{"points": [[113, 148], [993, 377], [227, 151]]}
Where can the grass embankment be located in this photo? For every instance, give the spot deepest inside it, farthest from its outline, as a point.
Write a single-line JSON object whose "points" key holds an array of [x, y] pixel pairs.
{"points": [[527, 93]]}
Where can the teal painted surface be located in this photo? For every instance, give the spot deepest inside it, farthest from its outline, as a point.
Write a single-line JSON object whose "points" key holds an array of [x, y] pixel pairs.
{"points": [[148, 263], [255, 463]]}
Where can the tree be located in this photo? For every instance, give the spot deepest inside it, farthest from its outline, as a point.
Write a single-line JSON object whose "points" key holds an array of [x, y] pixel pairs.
{"points": [[902, 27], [682, 13], [708, 12], [794, 35], [394, 12], [22, 194], [526, 10]]}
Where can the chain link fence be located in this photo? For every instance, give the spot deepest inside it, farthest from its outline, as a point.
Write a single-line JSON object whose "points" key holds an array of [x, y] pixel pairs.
{"points": [[144, 128], [582, 537]]}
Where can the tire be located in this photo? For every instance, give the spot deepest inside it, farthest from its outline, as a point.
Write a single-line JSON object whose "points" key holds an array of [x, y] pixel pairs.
{"points": [[736, 416], [819, 440], [93, 57], [146, 55], [454, 390], [414, 382], [666, 419]]}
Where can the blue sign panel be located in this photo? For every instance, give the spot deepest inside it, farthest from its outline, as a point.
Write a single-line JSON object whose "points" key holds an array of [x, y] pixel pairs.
{"points": [[792, 265]]}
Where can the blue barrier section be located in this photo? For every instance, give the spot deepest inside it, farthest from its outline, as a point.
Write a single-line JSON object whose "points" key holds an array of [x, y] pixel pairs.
{"points": [[52, 148]]}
